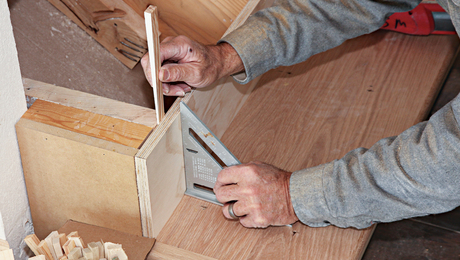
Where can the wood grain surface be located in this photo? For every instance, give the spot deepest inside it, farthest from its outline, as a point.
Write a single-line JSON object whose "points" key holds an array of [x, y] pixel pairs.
{"points": [[153, 41], [204, 21], [95, 125], [100, 105], [369, 88]]}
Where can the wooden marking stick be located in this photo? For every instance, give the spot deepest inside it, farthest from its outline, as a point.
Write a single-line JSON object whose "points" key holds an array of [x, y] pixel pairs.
{"points": [[153, 42]]}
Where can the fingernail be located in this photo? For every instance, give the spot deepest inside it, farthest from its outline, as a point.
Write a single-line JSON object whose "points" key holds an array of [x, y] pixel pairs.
{"points": [[180, 93], [164, 75], [165, 89]]}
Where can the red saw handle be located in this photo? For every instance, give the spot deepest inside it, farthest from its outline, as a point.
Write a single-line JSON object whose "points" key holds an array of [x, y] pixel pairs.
{"points": [[419, 21]]}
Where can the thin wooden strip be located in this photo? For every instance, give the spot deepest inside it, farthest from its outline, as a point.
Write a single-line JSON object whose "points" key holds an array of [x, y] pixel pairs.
{"points": [[163, 251], [153, 41], [91, 124], [100, 105]]}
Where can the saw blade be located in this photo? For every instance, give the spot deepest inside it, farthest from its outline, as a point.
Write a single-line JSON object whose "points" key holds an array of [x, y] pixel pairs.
{"points": [[204, 156]]}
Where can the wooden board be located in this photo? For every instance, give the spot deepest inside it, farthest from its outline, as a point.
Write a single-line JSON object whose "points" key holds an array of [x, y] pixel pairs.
{"points": [[84, 122], [153, 41], [300, 116], [100, 105], [112, 23], [166, 252], [70, 174], [204, 21]]}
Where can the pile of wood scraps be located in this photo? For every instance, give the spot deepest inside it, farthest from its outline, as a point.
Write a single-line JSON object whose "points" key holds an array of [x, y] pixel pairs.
{"points": [[58, 246]]}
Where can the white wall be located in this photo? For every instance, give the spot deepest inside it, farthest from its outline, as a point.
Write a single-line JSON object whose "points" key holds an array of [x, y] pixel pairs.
{"points": [[14, 207]]}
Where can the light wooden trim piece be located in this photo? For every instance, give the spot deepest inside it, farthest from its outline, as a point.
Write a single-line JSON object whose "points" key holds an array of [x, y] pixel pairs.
{"points": [[100, 105], [153, 42], [79, 121], [163, 251]]}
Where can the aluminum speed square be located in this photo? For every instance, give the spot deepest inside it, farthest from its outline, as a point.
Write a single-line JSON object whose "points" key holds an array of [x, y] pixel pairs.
{"points": [[204, 156]]}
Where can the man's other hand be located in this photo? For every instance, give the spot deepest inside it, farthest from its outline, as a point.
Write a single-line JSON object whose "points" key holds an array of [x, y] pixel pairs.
{"points": [[187, 64], [261, 192]]}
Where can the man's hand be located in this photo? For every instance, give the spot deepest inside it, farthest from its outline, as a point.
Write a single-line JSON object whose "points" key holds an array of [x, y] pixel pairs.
{"points": [[187, 64], [261, 192]]}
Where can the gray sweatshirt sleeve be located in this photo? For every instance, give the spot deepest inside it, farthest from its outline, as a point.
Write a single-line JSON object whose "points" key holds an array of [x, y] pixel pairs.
{"points": [[413, 174], [293, 30]]}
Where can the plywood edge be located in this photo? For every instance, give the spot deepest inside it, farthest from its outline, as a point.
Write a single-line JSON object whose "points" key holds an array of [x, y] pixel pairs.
{"points": [[77, 137], [156, 207], [92, 103], [164, 251], [144, 197]]}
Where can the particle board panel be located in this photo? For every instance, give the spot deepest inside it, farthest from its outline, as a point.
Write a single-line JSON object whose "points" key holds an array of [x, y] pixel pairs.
{"points": [[70, 175], [88, 123], [369, 88]]}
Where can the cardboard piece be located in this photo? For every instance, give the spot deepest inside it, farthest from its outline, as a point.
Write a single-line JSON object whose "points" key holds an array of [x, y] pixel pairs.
{"points": [[136, 247]]}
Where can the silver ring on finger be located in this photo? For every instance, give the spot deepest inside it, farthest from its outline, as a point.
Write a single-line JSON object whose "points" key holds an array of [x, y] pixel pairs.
{"points": [[230, 210]]}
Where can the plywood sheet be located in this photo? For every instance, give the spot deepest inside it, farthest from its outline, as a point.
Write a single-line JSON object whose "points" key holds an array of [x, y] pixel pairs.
{"points": [[71, 174], [301, 116]]}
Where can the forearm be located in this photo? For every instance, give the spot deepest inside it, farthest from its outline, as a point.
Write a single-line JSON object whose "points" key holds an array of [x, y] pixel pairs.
{"points": [[413, 174], [293, 30]]}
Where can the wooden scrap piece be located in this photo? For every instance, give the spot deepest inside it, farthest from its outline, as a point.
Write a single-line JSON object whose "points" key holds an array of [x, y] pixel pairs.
{"points": [[38, 257], [32, 241], [4, 245], [57, 247], [101, 249], [75, 254], [68, 246], [153, 41], [7, 254], [94, 249], [43, 249], [49, 243], [114, 251], [62, 239], [88, 254]]}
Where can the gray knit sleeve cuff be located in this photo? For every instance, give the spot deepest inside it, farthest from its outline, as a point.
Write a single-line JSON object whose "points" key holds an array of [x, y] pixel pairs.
{"points": [[307, 196]]}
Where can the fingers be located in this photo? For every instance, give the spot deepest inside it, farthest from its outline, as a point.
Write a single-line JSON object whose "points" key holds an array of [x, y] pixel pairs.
{"points": [[174, 49], [146, 67], [238, 210], [177, 89], [186, 72]]}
